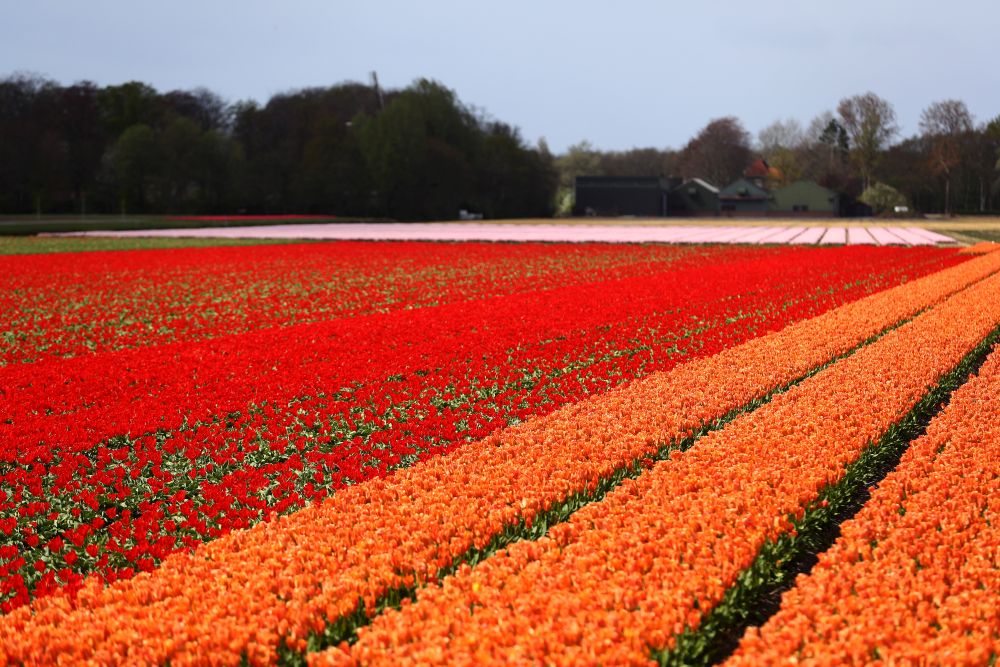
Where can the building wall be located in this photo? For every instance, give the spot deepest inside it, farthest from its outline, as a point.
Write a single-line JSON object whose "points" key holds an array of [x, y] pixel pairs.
{"points": [[744, 207], [692, 200], [806, 197], [620, 196]]}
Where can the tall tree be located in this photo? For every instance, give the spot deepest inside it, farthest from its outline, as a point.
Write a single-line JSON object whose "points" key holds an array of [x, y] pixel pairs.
{"points": [[719, 153], [905, 166], [870, 122], [787, 134], [135, 167], [580, 159], [132, 103], [825, 153], [783, 144], [989, 150], [946, 125], [85, 139], [649, 162], [200, 105], [513, 180], [29, 151], [418, 150]]}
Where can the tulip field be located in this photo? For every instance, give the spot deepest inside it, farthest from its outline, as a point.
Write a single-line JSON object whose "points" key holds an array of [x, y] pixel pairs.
{"points": [[419, 453]]}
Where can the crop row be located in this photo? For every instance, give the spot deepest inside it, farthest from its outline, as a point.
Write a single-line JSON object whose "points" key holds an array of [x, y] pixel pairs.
{"points": [[649, 561], [106, 301], [141, 391], [121, 504], [280, 583], [915, 576]]}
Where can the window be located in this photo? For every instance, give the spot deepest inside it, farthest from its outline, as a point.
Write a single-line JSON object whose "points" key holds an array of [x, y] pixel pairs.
{"points": [[799, 208], [729, 207]]}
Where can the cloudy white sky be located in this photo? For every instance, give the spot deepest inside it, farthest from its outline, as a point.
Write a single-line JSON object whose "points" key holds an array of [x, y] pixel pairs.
{"points": [[620, 73]]}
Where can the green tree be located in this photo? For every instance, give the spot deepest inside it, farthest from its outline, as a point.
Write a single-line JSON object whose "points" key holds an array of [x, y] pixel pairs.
{"points": [[332, 176], [513, 180], [135, 162], [580, 159], [418, 152], [178, 148], [882, 198], [132, 103]]}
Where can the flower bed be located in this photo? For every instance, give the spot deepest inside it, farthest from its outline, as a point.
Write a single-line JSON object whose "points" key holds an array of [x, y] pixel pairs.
{"points": [[253, 590], [147, 451], [922, 552], [644, 565]]}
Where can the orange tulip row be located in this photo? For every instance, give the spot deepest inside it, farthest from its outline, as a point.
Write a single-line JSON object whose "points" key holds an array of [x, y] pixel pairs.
{"points": [[635, 570], [915, 576], [249, 592], [981, 248]]}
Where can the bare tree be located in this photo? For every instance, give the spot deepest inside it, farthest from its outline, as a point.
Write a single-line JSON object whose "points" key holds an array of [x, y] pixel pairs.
{"points": [[946, 125], [870, 122], [782, 144], [781, 134], [991, 141], [639, 162], [718, 153], [824, 153], [817, 126]]}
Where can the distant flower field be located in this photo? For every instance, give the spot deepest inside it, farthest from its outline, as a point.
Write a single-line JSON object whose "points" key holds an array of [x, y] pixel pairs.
{"points": [[474, 453]]}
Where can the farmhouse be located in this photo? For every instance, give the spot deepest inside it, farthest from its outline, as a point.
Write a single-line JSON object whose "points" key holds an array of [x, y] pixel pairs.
{"points": [[614, 196], [753, 195], [743, 197], [694, 198], [762, 174], [807, 199]]}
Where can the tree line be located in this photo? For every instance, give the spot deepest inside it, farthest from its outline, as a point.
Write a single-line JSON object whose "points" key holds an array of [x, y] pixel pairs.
{"points": [[951, 165], [351, 150], [419, 153]]}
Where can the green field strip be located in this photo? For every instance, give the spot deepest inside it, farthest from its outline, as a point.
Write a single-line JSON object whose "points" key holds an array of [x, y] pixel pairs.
{"points": [[757, 593], [43, 245]]}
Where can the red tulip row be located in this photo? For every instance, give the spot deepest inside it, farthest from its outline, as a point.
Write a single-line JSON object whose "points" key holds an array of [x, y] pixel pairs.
{"points": [[915, 576], [251, 591], [633, 571], [119, 507], [144, 390], [105, 301]]}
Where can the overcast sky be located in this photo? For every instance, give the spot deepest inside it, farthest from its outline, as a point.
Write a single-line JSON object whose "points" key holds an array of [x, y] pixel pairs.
{"points": [[620, 73]]}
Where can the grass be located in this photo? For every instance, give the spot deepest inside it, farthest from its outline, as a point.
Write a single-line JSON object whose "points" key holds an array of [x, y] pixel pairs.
{"points": [[974, 234], [35, 245], [26, 225]]}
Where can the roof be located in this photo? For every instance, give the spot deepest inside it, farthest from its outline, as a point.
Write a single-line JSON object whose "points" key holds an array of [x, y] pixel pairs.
{"points": [[759, 168], [744, 190], [703, 184], [651, 182], [803, 184]]}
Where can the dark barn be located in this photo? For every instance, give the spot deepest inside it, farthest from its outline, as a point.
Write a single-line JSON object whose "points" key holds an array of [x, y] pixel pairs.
{"points": [[621, 195]]}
